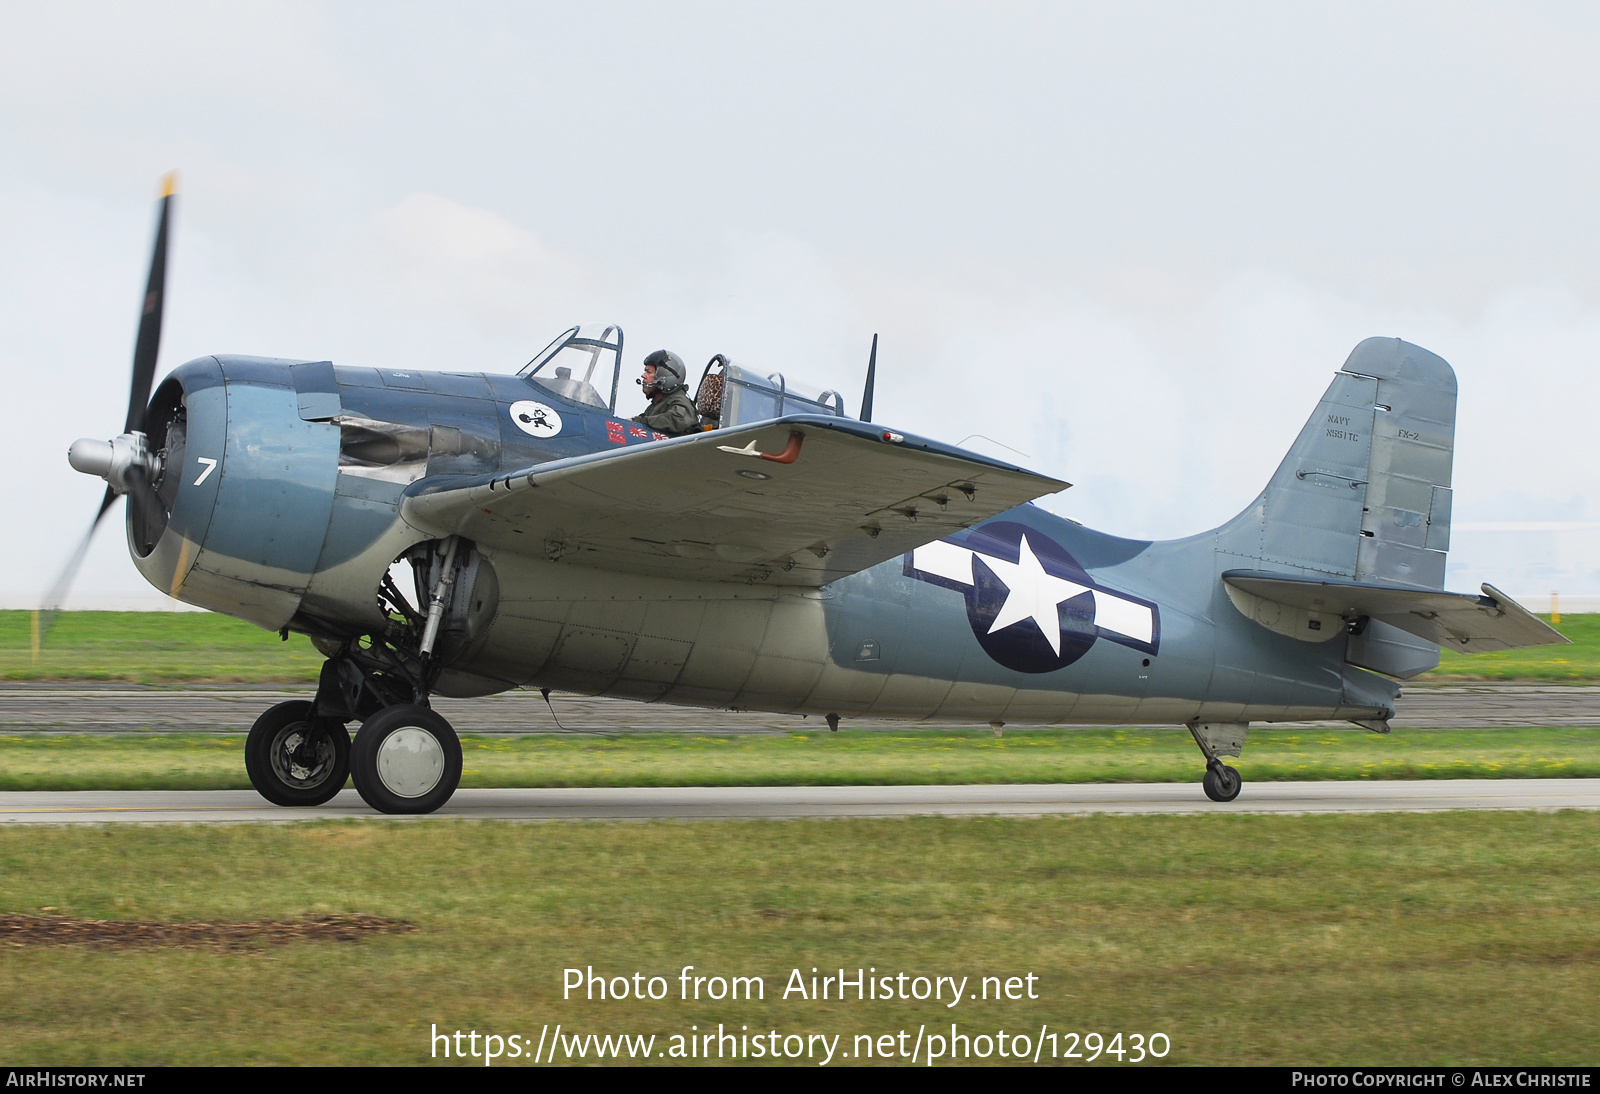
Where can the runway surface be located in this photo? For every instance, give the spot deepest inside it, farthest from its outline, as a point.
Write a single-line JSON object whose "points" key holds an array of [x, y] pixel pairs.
{"points": [[681, 803], [78, 708]]}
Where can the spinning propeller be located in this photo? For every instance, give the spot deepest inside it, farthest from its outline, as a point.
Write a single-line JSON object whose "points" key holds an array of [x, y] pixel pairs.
{"points": [[126, 462]]}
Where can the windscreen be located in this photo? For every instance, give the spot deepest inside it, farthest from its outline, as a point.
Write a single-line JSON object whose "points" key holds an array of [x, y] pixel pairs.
{"points": [[578, 362]]}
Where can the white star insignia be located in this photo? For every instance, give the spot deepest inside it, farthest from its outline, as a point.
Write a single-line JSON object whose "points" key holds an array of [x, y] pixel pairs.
{"points": [[1031, 594]]}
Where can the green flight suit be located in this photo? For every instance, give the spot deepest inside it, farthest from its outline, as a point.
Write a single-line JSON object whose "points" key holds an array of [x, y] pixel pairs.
{"points": [[675, 415]]}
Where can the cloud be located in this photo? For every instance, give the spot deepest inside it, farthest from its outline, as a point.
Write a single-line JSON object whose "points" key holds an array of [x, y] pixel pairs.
{"points": [[429, 255]]}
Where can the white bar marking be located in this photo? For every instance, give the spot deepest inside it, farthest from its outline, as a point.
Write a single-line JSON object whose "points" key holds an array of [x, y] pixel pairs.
{"points": [[944, 560], [1112, 613]]}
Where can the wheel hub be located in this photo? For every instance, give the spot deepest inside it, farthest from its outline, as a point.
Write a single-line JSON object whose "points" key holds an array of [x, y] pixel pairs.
{"points": [[410, 762], [300, 760]]}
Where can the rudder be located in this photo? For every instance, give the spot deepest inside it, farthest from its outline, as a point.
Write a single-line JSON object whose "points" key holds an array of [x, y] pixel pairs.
{"points": [[1405, 530]]}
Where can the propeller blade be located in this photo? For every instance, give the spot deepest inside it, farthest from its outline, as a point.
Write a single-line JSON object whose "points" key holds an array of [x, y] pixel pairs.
{"points": [[149, 515], [149, 340], [45, 617], [147, 510]]}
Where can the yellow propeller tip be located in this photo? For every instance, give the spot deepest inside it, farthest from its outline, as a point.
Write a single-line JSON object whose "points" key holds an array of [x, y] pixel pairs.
{"points": [[169, 184]]}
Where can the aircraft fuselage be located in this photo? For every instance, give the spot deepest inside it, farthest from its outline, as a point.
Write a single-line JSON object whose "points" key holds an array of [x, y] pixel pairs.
{"points": [[286, 512]]}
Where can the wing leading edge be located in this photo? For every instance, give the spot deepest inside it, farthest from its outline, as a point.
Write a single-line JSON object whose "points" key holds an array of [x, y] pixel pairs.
{"points": [[1459, 621], [795, 501]]}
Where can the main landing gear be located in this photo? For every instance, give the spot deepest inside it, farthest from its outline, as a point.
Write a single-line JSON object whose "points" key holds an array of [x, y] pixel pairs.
{"points": [[1217, 739], [405, 757]]}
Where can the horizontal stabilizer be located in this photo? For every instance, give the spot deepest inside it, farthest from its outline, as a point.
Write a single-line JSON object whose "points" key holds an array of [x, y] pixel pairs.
{"points": [[803, 500], [1305, 607]]}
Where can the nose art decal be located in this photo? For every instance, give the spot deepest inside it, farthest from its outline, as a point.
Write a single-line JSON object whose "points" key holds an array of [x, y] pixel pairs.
{"points": [[1031, 606], [535, 419]]}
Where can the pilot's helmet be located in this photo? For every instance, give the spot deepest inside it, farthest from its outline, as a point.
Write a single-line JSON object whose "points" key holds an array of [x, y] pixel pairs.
{"points": [[670, 373]]}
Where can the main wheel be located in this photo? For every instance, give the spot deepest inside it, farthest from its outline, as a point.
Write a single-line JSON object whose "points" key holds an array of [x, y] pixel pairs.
{"points": [[295, 759], [406, 759], [1222, 783]]}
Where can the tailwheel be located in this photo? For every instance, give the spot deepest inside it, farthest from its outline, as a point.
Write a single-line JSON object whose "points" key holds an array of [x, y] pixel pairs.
{"points": [[406, 759], [293, 758], [1222, 782]]}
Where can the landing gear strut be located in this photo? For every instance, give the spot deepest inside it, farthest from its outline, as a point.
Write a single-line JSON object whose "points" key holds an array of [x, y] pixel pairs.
{"points": [[406, 758], [1217, 739]]}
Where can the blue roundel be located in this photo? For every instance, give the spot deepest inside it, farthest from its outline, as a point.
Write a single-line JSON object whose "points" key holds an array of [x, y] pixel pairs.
{"points": [[1017, 586]]}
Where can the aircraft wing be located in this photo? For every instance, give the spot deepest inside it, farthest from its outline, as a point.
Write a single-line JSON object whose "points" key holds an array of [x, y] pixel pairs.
{"points": [[1459, 621], [802, 500]]}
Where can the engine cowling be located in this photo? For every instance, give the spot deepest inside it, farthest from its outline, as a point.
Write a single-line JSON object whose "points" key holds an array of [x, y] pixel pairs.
{"points": [[247, 486]]}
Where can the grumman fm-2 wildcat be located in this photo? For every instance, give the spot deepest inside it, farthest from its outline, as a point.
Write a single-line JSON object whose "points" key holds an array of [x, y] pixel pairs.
{"points": [[787, 558]]}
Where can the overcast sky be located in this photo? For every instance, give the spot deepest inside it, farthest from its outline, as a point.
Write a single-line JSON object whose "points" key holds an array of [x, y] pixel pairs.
{"points": [[1133, 241]]}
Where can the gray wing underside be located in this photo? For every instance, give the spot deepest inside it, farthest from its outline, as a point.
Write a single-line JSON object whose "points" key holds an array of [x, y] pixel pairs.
{"points": [[681, 508], [1458, 621]]}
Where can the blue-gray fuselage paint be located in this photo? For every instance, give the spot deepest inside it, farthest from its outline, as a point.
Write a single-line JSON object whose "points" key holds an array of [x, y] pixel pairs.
{"points": [[288, 532]]}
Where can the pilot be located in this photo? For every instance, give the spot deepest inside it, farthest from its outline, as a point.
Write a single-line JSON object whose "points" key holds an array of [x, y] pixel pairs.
{"points": [[670, 410]]}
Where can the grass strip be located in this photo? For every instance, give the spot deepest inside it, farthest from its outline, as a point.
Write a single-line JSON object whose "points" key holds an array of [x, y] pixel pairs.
{"points": [[153, 648], [1361, 940], [199, 647], [1578, 663], [198, 761]]}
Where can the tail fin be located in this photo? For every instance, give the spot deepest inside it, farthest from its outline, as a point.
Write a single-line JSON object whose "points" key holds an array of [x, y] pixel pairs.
{"points": [[1364, 493], [1360, 507]]}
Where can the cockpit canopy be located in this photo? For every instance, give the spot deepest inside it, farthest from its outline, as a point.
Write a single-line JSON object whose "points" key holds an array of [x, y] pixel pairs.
{"points": [[733, 395], [584, 358], [579, 358]]}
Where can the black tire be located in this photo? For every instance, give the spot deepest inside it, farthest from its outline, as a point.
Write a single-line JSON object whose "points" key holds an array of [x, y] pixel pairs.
{"points": [[294, 759], [406, 759], [1222, 783]]}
